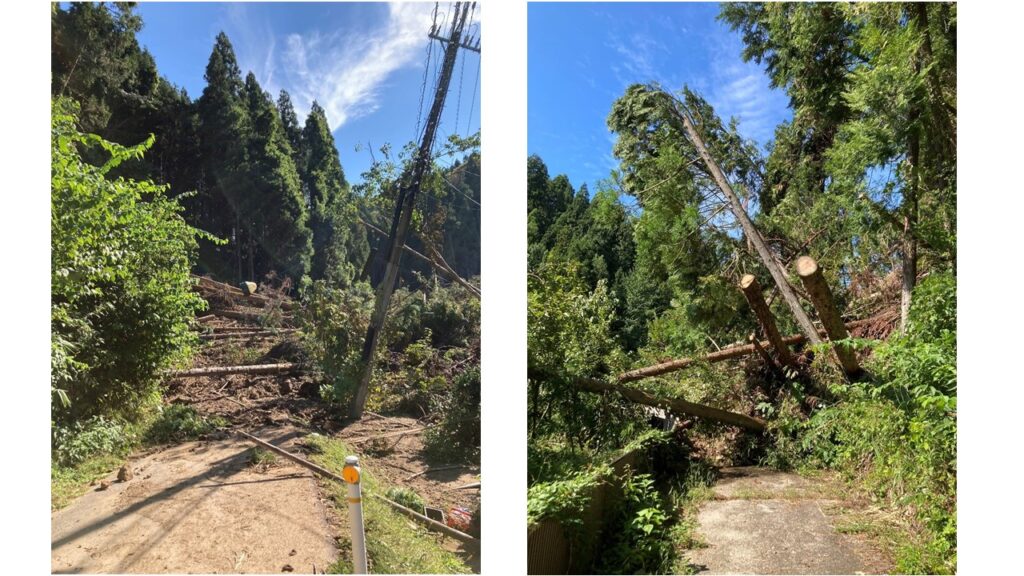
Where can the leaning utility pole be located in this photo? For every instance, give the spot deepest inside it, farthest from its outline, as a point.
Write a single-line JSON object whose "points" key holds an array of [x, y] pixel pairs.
{"points": [[778, 274], [410, 186]]}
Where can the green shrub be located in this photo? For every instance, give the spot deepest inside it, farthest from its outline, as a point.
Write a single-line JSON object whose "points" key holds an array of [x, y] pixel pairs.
{"points": [[406, 497], [334, 322], [896, 435], [563, 500], [81, 440], [457, 435], [121, 297], [449, 315], [640, 542], [179, 422]]}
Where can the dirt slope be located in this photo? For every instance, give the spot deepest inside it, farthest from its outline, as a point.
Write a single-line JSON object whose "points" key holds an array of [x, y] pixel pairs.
{"points": [[767, 522], [198, 507]]}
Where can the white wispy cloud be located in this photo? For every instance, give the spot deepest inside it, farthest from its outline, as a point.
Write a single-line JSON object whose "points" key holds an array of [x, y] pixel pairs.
{"points": [[742, 89], [344, 72]]}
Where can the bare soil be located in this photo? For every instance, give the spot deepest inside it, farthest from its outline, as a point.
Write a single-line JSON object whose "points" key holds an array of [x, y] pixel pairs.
{"points": [[198, 507]]}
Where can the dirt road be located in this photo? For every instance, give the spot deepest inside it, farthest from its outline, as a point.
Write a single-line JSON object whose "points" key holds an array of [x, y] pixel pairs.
{"points": [[199, 507]]}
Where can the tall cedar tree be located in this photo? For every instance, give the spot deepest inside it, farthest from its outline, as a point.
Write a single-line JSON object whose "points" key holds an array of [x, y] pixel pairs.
{"points": [[293, 129], [273, 208], [339, 238], [223, 132]]}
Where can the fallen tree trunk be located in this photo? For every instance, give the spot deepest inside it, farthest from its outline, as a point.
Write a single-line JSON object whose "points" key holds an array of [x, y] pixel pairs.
{"points": [[723, 354], [282, 368], [752, 233], [676, 405], [248, 334]]}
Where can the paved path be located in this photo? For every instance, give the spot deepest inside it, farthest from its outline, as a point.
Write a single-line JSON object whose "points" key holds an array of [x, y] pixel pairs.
{"points": [[198, 507], [767, 522]]}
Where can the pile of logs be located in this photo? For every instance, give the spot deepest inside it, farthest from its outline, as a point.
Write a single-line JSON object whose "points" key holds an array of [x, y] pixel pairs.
{"points": [[227, 301]]}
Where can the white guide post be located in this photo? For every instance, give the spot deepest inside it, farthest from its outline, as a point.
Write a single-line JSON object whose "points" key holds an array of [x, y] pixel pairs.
{"points": [[355, 514]]}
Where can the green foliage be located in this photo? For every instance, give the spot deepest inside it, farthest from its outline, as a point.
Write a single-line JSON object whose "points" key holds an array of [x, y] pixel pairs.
{"points": [[121, 298], [447, 316], [279, 239], [643, 544], [563, 500], [339, 237], [920, 365], [406, 497], [180, 422], [457, 435], [84, 439], [567, 339], [334, 324]]}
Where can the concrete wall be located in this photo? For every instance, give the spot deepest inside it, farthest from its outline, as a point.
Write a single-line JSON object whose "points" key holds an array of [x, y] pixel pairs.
{"points": [[550, 551]]}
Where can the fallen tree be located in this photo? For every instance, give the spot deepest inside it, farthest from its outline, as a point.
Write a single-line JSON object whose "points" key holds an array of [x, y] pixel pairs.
{"points": [[675, 405], [282, 368], [723, 354]]}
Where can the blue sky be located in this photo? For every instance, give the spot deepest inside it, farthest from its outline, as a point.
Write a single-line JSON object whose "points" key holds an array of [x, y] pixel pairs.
{"points": [[582, 56], [363, 62]]}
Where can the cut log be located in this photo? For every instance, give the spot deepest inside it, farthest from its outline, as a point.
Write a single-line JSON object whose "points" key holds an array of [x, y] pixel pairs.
{"points": [[435, 469], [821, 297], [249, 334], [283, 368], [254, 298], [675, 405], [726, 354], [752, 291], [386, 435]]}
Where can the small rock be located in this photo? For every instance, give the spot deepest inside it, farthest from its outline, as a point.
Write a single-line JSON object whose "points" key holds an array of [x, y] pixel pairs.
{"points": [[104, 485], [287, 568], [124, 474], [293, 552]]}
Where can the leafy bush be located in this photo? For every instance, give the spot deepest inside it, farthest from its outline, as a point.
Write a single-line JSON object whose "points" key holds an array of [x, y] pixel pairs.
{"points": [[73, 444], [406, 497], [563, 500], [177, 423], [334, 325], [897, 434], [121, 297], [449, 315], [642, 544], [568, 338], [457, 435]]}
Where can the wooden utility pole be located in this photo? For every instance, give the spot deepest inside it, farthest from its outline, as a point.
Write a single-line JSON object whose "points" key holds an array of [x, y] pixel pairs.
{"points": [[752, 291], [390, 254], [767, 258], [821, 297]]}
